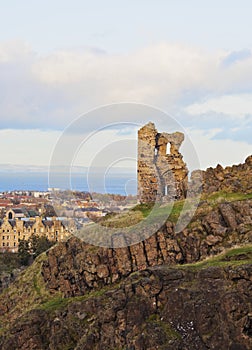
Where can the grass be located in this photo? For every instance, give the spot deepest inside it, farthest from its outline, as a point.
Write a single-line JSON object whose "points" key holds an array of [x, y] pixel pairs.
{"points": [[172, 210], [28, 291], [56, 303], [154, 213], [220, 197], [147, 211], [169, 331], [232, 257]]}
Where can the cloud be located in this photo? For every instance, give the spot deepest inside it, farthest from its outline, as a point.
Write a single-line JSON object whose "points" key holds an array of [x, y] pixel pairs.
{"points": [[236, 106], [203, 90], [49, 91]]}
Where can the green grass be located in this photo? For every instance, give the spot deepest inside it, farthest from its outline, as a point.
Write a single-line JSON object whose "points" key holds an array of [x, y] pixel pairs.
{"points": [[172, 210], [166, 212], [27, 292], [56, 303], [154, 319], [232, 257], [219, 197]]}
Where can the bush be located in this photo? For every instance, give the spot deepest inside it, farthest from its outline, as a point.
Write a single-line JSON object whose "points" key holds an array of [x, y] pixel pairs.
{"points": [[31, 248]]}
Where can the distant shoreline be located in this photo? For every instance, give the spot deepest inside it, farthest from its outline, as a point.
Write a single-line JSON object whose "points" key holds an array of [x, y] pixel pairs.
{"points": [[38, 181]]}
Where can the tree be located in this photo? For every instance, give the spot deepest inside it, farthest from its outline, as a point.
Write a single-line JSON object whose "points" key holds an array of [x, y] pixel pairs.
{"points": [[39, 244], [31, 248], [23, 252]]}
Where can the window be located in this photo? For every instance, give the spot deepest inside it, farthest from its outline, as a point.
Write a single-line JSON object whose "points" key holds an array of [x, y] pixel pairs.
{"points": [[7, 244], [8, 237], [3, 237], [168, 148], [3, 244], [166, 190], [19, 233], [23, 236], [34, 230], [3, 231], [14, 237], [14, 244], [8, 230], [56, 233]]}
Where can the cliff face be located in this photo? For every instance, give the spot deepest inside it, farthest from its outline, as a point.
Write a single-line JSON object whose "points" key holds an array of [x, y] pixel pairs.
{"points": [[75, 267], [194, 307]]}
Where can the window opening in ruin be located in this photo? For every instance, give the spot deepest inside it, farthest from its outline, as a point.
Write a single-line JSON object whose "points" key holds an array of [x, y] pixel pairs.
{"points": [[156, 151], [166, 190], [168, 148]]}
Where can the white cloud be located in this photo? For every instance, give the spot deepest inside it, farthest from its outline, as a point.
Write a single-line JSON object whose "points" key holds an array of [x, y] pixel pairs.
{"points": [[15, 50], [237, 105], [152, 72], [48, 92]]}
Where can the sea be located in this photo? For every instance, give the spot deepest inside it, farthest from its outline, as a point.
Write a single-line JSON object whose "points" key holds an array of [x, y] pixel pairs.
{"points": [[124, 184]]}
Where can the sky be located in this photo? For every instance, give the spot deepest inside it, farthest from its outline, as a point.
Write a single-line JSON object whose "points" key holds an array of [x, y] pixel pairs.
{"points": [[59, 60]]}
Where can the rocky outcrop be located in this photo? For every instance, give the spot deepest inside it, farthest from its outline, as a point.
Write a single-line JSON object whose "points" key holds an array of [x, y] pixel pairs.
{"points": [[6, 278], [162, 175], [75, 267], [159, 308], [236, 178]]}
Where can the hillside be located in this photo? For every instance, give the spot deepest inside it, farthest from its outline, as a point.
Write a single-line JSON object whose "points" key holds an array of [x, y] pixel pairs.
{"points": [[175, 290], [197, 306]]}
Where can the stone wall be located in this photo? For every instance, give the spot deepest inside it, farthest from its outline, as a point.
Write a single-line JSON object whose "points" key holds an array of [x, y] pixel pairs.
{"points": [[162, 176]]}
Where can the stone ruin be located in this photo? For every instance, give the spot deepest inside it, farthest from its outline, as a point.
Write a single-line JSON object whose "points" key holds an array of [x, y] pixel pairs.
{"points": [[162, 173]]}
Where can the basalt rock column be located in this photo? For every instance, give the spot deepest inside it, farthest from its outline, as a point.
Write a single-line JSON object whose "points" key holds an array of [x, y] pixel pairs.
{"points": [[162, 175]]}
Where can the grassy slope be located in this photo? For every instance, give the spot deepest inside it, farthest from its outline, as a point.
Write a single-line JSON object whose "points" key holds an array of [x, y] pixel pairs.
{"points": [[172, 210]]}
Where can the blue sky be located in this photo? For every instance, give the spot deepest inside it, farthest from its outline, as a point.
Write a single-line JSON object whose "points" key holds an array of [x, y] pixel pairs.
{"points": [[60, 59]]}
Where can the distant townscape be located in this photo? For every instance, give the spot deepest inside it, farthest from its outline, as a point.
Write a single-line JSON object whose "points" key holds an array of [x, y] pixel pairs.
{"points": [[27, 213]]}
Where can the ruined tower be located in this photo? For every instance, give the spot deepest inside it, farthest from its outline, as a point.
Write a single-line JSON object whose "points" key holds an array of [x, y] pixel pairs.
{"points": [[162, 173]]}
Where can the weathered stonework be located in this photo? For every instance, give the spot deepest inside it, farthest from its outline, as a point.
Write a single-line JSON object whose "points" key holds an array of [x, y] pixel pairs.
{"points": [[162, 176]]}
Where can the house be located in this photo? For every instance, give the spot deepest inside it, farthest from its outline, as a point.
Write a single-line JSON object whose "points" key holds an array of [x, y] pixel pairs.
{"points": [[16, 226]]}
